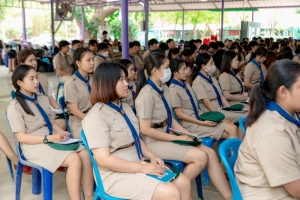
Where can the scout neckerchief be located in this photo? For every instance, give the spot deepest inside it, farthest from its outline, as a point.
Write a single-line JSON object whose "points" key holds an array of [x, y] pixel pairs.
{"points": [[87, 81], [132, 129], [183, 85], [209, 80], [297, 55], [134, 65], [161, 93], [259, 67], [45, 116], [240, 82], [41, 89], [101, 56], [273, 106]]}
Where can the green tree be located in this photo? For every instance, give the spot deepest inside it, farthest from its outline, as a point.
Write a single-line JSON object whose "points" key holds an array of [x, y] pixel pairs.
{"points": [[91, 21]]}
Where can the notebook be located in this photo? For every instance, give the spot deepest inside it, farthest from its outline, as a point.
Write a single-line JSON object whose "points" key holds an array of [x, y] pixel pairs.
{"points": [[69, 141], [166, 178]]}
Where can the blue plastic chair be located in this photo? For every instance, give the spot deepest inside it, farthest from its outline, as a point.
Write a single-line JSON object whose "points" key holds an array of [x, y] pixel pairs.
{"points": [[100, 192], [228, 152], [38, 173], [180, 166], [242, 123], [63, 105], [60, 84]]}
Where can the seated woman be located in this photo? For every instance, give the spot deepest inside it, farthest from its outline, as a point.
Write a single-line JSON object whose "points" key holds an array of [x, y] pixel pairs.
{"points": [[255, 71], [28, 57], [184, 102], [129, 99], [173, 53], [77, 89], [207, 88], [112, 133], [230, 81], [268, 161], [297, 54], [32, 121], [154, 113]]}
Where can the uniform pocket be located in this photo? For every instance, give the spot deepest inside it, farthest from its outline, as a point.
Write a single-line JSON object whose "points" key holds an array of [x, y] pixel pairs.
{"points": [[186, 102], [121, 134]]}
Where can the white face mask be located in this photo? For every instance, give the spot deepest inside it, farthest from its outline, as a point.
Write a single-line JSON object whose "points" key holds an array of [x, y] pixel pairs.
{"points": [[105, 54], [167, 75], [211, 70]]}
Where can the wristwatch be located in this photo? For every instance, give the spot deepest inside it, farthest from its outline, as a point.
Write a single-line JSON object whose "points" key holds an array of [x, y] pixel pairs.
{"points": [[45, 140]]}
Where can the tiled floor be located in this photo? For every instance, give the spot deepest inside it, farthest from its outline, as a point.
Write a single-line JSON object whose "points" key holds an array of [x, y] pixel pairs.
{"points": [[7, 189]]}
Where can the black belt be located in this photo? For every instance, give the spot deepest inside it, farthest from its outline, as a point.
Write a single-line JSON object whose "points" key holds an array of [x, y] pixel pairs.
{"points": [[129, 145], [85, 112], [160, 124]]}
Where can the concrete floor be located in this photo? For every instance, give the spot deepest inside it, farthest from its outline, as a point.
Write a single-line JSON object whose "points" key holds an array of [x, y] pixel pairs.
{"points": [[7, 189]]}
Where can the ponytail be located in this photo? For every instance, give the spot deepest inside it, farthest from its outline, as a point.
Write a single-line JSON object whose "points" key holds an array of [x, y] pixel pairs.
{"points": [[140, 81], [202, 59], [260, 51]]}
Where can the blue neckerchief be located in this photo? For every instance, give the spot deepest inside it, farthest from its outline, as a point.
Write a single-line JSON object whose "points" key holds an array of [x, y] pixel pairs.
{"points": [[41, 89], [132, 129], [72, 50], [161, 92], [101, 56], [180, 57], [273, 106], [183, 85], [140, 57], [259, 67], [209, 80], [45, 116], [134, 65], [240, 82], [297, 55], [84, 80], [130, 87]]}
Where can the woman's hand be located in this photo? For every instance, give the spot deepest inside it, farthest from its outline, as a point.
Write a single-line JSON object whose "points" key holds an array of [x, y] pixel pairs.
{"points": [[152, 168], [156, 160], [209, 123], [59, 137], [242, 97]]}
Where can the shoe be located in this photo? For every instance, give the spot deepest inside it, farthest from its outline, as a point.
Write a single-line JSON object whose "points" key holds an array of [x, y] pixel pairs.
{"points": [[26, 170]]}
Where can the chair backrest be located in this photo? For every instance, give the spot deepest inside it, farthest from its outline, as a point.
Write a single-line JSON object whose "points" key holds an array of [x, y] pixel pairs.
{"points": [[242, 123], [228, 151], [12, 94], [63, 105]]}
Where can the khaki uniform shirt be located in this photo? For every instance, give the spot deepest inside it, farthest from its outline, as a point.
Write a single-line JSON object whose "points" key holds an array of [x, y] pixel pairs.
{"points": [[139, 60], [253, 73], [76, 91], [296, 59], [44, 82], [98, 60], [129, 99], [146, 54], [136, 61], [216, 74], [59, 62], [268, 158], [203, 90], [229, 83], [71, 53]]}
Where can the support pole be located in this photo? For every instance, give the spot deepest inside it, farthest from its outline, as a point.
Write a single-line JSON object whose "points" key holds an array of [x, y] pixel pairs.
{"points": [[222, 21], [125, 35], [182, 36], [146, 10], [23, 22], [82, 24], [52, 25], [252, 14]]}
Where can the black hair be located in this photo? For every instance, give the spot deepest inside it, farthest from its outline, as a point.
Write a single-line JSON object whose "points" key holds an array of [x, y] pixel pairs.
{"points": [[175, 65], [19, 74], [192, 47], [102, 46], [105, 41], [286, 73], [92, 42], [260, 51], [78, 55], [173, 51], [233, 47], [226, 40], [132, 44], [137, 43], [152, 42], [202, 59], [235, 44], [285, 55], [283, 44], [274, 46], [198, 40], [125, 63], [104, 32], [217, 57], [221, 44], [154, 60], [228, 56], [252, 44], [191, 42], [213, 45], [163, 46], [204, 47], [62, 44], [75, 42], [186, 52], [169, 40], [245, 47], [297, 51]]}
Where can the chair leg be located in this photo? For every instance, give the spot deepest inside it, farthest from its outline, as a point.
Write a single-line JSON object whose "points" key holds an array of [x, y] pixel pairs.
{"points": [[47, 184], [36, 181], [19, 180], [205, 177], [10, 170], [199, 187]]}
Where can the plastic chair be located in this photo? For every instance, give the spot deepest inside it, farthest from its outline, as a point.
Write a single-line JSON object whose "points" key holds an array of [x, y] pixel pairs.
{"points": [[100, 192], [12, 94], [60, 84], [228, 152], [242, 123], [180, 166], [38, 173], [63, 105]]}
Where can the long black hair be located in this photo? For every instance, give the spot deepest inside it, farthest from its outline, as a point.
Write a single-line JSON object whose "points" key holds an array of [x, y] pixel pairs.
{"points": [[126, 63], [260, 51], [175, 65], [173, 51], [202, 59], [78, 55], [19, 74], [155, 59], [286, 73], [228, 56]]}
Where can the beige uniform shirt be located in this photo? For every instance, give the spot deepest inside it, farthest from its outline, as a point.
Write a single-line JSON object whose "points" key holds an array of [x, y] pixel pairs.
{"points": [[71, 53], [60, 62], [296, 59], [139, 60], [268, 158], [203, 90], [136, 61], [228, 82], [253, 73], [129, 99], [44, 82], [216, 74], [98, 60], [146, 54]]}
